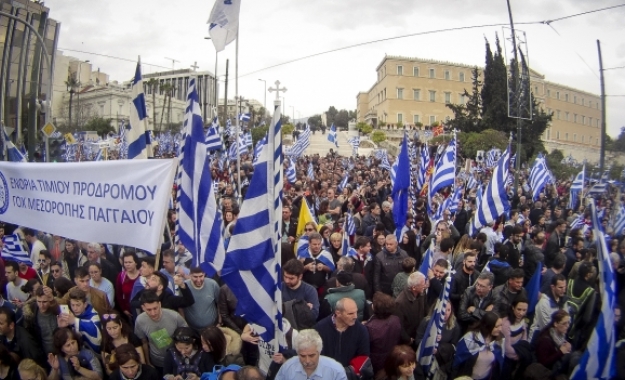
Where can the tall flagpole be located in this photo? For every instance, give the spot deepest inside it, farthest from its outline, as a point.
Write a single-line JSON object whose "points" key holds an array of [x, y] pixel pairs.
{"points": [[236, 98]]}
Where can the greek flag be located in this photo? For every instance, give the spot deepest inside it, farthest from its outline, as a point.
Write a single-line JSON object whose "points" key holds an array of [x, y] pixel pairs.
{"points": [[258, 148], [445, 173], [491, 158], [301, 144], [332, 136], [138, 137], [385, 164], [247, 140], [230, 130], [400, 188], [291, 173], [345, 244], [576, 188], [579, 222], [494, 201], [533, 288], [14, 250], [429, 343], [355, 143], [213, 139], [13, 154], [513, 160], [598, 189], [224, 23], [598, 361], [311, 172], [471, 182], [393, 172], [539, 176], [455, 200], [423, 166], [244, 117], [199, 221], [619, 223], [350, 226], [252, 265], [343, 183]]}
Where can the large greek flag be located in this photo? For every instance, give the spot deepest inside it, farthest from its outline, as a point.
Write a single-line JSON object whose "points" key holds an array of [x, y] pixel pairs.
{"points": [[539, 176], [332, 136], [619, 222], [301, 144], [445, 173], [14, 250], [598, 361], [252, 265], [213, 139], [138, 137], [199, 221], [494, 201], [224, 23], [423, 166]]}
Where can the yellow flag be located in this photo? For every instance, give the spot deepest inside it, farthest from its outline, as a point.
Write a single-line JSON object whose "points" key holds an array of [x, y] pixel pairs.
{"points": [[69, 138], [305, 216]]}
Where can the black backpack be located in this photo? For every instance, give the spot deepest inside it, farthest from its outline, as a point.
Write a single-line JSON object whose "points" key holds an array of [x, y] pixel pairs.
{"points": [[298, 314]]}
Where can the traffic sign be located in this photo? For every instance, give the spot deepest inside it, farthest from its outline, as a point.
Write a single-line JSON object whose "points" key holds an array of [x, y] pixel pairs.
{"points": [[48, 129]]}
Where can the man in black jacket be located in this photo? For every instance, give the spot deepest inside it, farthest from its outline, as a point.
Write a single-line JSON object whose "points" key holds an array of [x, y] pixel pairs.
{"points": [[158, 282], [477, 300], [17, 339], [464, 277], [387, 264]]}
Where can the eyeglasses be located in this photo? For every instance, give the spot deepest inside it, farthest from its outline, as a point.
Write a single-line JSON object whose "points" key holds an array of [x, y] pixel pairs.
{"points": [[56, 270], [41, 261], [310, 230], [478, 285], [107, 317]]}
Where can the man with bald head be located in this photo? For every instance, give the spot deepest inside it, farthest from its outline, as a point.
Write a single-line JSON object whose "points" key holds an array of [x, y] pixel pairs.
{"points": [[343, 336], [386, 265]]}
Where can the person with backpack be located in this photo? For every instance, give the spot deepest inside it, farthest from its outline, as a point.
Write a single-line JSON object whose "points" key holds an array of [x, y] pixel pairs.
{"points": [[582, 298], [185, 358]]}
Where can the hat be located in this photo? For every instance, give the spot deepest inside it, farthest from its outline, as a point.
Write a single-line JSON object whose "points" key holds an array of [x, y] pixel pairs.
{"points": [[344, 278]]}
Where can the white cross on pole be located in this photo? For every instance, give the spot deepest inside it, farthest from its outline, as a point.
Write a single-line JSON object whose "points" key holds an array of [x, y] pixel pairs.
{"points": [[278, 90], [194, 66]]}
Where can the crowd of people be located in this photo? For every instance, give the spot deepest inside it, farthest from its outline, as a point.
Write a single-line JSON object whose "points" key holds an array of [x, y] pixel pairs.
{"points": [[92, 310]]}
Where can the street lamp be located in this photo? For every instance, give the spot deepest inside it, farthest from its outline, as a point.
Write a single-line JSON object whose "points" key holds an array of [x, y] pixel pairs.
{"points": [[265, 104], [216, 102]]}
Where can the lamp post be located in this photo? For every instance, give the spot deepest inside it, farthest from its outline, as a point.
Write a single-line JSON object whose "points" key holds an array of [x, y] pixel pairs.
{"points": [[293, 113], [216, 104], [265, 103]]}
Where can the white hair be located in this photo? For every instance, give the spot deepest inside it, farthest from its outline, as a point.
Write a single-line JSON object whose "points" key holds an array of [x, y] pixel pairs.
{"points": [[306, 339], [415, 278], [96, 247]]}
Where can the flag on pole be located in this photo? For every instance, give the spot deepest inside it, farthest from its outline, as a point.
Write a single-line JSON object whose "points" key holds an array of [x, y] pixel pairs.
{"points": [[428, 262], [311, 172], [138, 136], [224, 23], [598, 361], [429, 343], [199, 221], [343, 183], [400, 188], [494, 201], [423, 166], [619, 223], [350, 226], [291, 172], [576, 188], [539, 176], [14, 250], [445, 173], [332, 136], [252, 265], [533, 288], [13, 154]]}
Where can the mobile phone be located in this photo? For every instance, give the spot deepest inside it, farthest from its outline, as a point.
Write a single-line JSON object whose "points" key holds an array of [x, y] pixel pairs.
{"points": [[64, 309]]}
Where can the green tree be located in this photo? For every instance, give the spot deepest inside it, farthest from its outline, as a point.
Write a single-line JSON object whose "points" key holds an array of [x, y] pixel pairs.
{"points": [[100, 125], [378, 136], [153, 84], [331, 114], [467, 116], [287, 129], [72, 84], [341, 119], [364, 128], [259, 132], [618, 144], [315, 121], [495, 97]]}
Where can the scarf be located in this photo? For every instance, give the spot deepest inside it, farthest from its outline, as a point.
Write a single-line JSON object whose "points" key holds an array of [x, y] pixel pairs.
{"points": [[557, 338]]}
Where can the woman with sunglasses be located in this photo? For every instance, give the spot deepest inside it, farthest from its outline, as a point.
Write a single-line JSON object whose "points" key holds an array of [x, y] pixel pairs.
{"points": [[116, 332], [130, 366], [185, 359]]}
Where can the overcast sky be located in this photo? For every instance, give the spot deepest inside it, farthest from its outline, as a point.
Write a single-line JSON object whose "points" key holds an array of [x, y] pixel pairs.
{"points": [[277, 31]]}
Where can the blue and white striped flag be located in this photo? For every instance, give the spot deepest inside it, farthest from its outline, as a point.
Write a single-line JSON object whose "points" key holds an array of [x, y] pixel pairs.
{"points": [[258, 148], [332, 136], [513, 160], [244, 117], [423, 166], [491, 158], [598, 189], [345, 244], [598, 361], [14, 250], [13, 154], [199, 221], [429, 343], [138, 136], [224, 23], [247, 140], [252, 266], [576, 188], [311, 172], [401, 187], [213, 139], [539, 176], [350, 226], [619, 222], [291, 172], [579, 222], [385, 164], [494, 201], [343, 183], [455, 200], [355, 143], [445, 173]]}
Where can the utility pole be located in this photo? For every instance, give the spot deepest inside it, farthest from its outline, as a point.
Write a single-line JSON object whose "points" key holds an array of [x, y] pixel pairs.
{"points": [[603, 122], [518, 120], [226, 93]]}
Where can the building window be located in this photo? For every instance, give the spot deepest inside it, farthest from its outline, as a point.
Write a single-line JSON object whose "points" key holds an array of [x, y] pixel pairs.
{"points": [[447, 97], [447, 75], [574, 118], [566, 116], [583, 102], [548, 134], [548, 93], [597, 123], [415, 71], [558, 95], [590, 121], [400, 117], [583, 119], [463, 99], [461, 77], [574, 99], [558, 135], [432, 119], [432, 73], [385, 93], [536, 90], [432, 96], [566, 136], [566, 97], [582, 139], [416, 119], [416, 94], [400, 93], [400, 70], [558, 114], [574, 137], [101, 109]]}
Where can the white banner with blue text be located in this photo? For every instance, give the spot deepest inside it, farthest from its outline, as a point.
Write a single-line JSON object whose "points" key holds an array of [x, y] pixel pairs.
{"points": [[116, 202]]}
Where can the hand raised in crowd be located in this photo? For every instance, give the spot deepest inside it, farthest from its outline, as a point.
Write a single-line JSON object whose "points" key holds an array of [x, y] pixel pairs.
{"points": [[278, 358], [53, 361], [75, 362]]}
